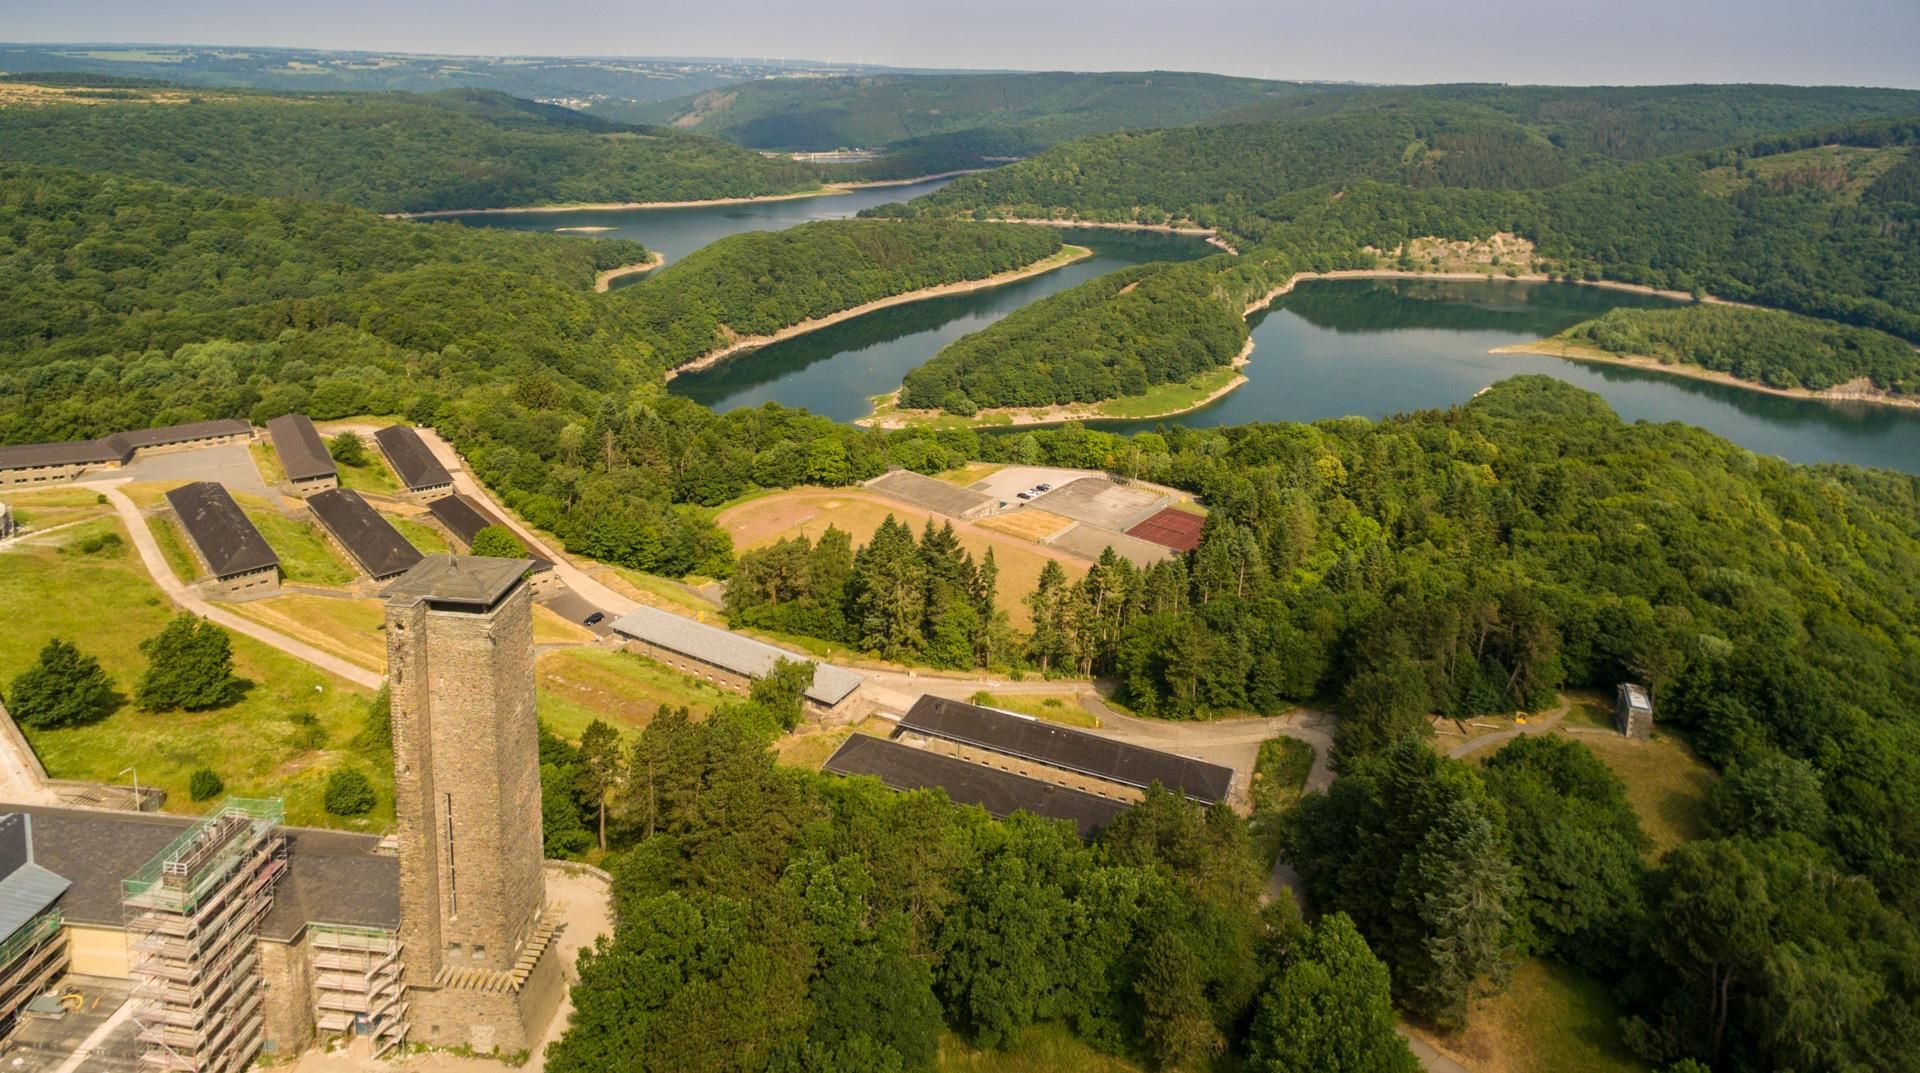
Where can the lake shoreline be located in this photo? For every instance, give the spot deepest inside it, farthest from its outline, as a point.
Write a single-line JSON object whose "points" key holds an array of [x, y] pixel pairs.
{"points": [[1055, 415], [603, 282], [1064, 256], [1211, 235], [1850, 393], [824, 190]]}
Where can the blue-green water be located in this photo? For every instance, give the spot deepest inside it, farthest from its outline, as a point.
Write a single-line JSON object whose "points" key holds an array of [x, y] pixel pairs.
{"points": [[1332, 348]]}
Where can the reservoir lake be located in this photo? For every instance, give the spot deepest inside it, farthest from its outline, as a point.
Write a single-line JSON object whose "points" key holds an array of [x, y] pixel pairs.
{"points": [[1331, 348]]}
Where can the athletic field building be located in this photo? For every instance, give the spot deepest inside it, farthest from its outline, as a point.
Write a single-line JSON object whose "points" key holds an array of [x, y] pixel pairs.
{"points": [[238, 560], [732, 661], [424, 478], [303, 454]]}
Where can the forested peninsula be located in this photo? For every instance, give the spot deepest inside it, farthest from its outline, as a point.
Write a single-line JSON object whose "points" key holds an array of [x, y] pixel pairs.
{"points": [[1761, 348]]}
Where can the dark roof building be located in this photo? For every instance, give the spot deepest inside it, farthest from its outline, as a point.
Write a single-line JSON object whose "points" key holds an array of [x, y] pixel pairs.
{"points": [[462, 516], [462, 582], [68, 453], [303, 454], [333, 876], [1065, 748], [372, 540], [27, 888], [222, 533], [412, 461], [170, 435], [1001, 793]]}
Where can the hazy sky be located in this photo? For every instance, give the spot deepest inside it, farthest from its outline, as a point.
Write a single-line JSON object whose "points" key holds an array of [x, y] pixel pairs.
{"points": [[1854, 42]]}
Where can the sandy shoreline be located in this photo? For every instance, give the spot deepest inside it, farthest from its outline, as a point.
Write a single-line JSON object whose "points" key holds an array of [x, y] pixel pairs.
{"points": [[604, 281], [1061, 258], [1211, 235], [825, 190], [1854, 391]]}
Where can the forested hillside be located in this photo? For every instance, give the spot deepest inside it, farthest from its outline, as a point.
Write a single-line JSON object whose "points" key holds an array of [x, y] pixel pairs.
{"points": [[393, 152], [1113, 336], [881, 110], [1765, 346]]}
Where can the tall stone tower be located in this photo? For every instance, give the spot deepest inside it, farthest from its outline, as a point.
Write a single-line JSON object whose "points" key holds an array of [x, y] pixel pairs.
{"points": [[466, 774]]}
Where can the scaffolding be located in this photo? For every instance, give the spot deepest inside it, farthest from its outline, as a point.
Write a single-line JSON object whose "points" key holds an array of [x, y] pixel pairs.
{"points": [[192, 915], [356, 984], [29, 960]]}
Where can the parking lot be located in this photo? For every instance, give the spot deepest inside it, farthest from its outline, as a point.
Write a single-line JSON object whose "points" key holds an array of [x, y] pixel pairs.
{"points": [[1099, 501], [230, 464]]}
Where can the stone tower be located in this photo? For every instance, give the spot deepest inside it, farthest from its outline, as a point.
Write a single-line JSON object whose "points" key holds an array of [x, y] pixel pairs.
{"points": [[466, 774]]}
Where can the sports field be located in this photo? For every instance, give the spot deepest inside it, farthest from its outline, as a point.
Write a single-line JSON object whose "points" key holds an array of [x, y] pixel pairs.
{"points": [[809, 511]]}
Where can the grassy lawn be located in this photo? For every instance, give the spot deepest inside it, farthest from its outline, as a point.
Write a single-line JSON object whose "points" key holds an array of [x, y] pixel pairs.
{"points": [[550, 629], [1053, 707], [55, 506], [580, 685], [651, 589], [1041, 1049], [107, 605], [810, 744], [1158, 401], [148, 494], [305, 555], [1551, 1019], [1279, 777], [350, 629], [173, 547], [429, 540], [373, 477], [1666, 784], [1169, 398], [267, 461]]}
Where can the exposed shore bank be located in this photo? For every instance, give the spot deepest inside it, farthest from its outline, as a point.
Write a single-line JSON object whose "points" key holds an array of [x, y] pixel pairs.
{"points": [[1860, 390], [886, 417], [1060, 258], [824, 190], [604, 281], [1211, 235]]}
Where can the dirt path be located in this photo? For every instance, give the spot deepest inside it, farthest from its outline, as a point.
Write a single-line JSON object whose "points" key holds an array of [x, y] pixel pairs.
{"points": [[1535, 725], [189, 599]]}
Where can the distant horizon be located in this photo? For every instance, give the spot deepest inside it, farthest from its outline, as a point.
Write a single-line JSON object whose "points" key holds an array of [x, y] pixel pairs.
{"points": [[1368, 42], [808, 62]]}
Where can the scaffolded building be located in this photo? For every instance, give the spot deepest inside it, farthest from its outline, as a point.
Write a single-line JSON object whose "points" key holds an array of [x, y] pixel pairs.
{"points": [[356, 984], [192, 915]]}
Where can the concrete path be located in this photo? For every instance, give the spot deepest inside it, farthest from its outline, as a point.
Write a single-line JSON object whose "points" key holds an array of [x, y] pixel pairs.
{"points": [[1431, 1060], [189, 598], [22, 779], [600, 596]]}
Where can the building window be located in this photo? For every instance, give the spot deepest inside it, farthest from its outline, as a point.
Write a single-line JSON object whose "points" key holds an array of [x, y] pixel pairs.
{"points": [[479, 953]]}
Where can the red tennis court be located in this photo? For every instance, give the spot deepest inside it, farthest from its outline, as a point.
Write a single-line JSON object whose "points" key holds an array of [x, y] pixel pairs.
{"points": [[1171, 528]]}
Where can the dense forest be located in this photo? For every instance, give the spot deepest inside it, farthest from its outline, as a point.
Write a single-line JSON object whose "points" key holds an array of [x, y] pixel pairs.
{"points": [[1116, 335], [1822, 222], [773, 919], [395, 152], [816, 269], [1765, 346]]}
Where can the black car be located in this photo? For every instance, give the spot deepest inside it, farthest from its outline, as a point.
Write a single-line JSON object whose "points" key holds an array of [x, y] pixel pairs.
{"points": [[595, 619]]}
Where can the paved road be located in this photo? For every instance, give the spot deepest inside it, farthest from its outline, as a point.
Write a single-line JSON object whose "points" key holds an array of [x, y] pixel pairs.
{"points": [[585, 587], [22, 779], [190, 599]]}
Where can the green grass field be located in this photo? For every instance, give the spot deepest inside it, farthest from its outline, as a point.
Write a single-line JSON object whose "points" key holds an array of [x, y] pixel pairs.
{"points": [[1550, 1019], [579, 685], [305, 555], [1041, 1049], [1053, 707], [49, 507], [373, 477], [106, 604], [429, 540], [173, 547], [1279, 776]]}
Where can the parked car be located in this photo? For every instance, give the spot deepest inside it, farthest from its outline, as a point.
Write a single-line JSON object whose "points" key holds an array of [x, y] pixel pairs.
{"points": [[594, 619], [1024, 495], [1043, 487]]}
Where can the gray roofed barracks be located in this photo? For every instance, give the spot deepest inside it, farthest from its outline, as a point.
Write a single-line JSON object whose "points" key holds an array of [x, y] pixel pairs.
{"points": [[1001, 793], [303, 454], [422, 474], [368, 538], [989, 736], [40, 463], [224, 538], [731, 659]]}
